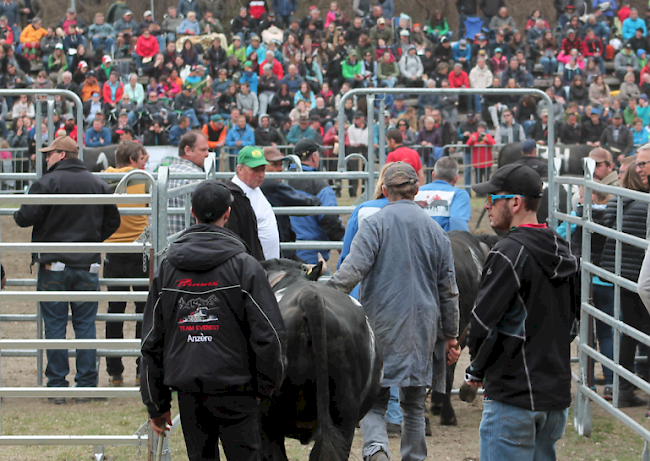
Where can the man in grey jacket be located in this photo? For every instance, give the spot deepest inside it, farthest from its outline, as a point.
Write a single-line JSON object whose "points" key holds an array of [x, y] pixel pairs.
{"points": [[414, 316]]}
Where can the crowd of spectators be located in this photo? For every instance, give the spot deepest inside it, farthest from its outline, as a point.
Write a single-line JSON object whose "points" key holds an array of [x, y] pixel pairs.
{"points": [[284, 74]]}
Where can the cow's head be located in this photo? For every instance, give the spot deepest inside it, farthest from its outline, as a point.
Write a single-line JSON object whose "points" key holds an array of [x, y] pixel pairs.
{"points": [[284, 272]]}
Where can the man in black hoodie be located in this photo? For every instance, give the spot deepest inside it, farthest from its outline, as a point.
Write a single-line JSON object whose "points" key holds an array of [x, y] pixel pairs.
{"points": [[519, 334], [213, 332]]}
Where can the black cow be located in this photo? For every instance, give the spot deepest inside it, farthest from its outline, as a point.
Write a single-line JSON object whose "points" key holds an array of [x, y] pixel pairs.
{"points": [[470, 252], [571, 155], [99, 158], [334, 366]]}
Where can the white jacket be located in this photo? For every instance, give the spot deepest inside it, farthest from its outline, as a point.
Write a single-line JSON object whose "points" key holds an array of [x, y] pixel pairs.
{"points": [[480, 78], [358, 135], [410, 66]]}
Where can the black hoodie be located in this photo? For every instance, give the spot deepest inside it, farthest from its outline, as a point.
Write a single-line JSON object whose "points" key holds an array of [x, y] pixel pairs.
{"points": [[211, 322], [519, 334]]}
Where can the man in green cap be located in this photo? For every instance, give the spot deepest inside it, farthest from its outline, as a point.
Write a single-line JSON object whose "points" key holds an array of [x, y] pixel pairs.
{"points": [[251, 164], [244, 219]]}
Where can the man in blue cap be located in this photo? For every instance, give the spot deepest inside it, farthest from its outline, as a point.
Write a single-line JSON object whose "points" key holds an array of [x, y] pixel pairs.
{"points": [[529, 157]]}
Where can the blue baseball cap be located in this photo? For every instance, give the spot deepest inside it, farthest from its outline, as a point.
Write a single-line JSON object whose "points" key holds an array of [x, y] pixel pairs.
{"points": [[595, 111]]}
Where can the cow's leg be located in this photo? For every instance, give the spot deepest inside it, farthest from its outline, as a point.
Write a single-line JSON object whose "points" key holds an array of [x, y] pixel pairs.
{"points": [[436, 402], [447, 414]]}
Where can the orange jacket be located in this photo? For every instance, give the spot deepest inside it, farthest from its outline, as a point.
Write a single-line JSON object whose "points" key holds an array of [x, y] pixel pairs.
{"points": [[212, 144]]}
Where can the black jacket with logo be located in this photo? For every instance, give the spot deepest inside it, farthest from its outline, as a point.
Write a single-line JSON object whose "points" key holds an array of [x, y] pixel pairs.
{"points": [[211, 322], [519, 334], [69, 223]]}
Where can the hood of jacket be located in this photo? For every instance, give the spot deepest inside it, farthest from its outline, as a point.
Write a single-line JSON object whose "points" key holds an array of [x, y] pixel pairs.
{"points": [[551, 252], [203, 247]]}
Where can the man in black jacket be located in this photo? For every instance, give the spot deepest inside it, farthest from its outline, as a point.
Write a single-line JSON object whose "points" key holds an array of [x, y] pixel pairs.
{"points": [[67, 174], [519, 334], [213, 332], [265, 133], [592, 129], [617, 138], [281, 194]]}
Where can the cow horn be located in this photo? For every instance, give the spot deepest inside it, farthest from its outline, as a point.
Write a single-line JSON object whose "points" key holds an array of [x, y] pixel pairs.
{"points": [[275, 277], [323, 269]]}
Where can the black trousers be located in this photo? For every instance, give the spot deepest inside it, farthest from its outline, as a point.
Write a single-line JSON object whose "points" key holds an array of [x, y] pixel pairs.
{"points": [[636, 315], [208, 418], [123, 265]]}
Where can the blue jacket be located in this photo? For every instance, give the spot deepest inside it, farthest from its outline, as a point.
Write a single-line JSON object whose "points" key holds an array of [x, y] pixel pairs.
{"points": [[292, 83], [311, 227], [459, 209], [175, 135], [365, 209], [630, 26], [251, 78], [189, 25], [246, 136], [261, 52], [296, 134], [184, 7], [285, 7], [12, 13], [388, 7], [91, 139], [458, 53], [608, 12]]}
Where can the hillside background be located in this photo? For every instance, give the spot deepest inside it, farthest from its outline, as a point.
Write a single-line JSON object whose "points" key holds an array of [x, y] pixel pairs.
{"points": [[519, 9]]}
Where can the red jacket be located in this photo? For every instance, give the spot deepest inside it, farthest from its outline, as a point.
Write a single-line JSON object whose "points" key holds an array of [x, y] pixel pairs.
{"points": [[481, 156], [106, 93], [458, 81], [592, 47], [568, 45], [147, 48], [277, 69]]}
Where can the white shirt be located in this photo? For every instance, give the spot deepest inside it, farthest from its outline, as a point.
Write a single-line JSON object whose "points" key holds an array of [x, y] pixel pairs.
{"points": [[267, 226]]}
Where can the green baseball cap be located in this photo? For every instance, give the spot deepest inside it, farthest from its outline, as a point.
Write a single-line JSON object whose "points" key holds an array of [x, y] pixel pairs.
{"points": [[252, 156]]}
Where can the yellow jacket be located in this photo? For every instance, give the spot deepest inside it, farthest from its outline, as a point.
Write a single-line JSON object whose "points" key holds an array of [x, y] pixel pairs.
{"points": [[31, 35], [131, 226]]}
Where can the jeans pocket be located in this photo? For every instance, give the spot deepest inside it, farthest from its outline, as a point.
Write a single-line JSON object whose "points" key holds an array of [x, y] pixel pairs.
{"points": [[517, 428], [560, 424]]}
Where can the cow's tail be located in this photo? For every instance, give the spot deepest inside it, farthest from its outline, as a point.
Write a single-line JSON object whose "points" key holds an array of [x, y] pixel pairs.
{"points": [[330, 444]]}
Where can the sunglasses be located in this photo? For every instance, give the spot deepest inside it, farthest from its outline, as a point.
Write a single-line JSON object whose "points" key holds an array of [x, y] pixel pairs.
{"points": [[491, 198]]}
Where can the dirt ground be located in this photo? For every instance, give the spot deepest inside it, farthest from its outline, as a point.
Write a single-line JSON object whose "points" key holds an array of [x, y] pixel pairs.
{"points": [[21, 416]]}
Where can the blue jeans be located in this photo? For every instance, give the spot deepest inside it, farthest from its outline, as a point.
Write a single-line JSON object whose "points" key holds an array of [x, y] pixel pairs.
{"points": [[512, 433], [170, 37], [477, 103], [106, 43], [393, 412], [162, 42], [55, 317], [191, 114], [467, 172], [528, 124], [373, 425], [390, 82], [549, 64], [604, 301]]}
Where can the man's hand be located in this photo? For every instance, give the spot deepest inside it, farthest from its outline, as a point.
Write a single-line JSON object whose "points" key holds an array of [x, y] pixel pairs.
{"points": [[160, 423], [452, 351]]}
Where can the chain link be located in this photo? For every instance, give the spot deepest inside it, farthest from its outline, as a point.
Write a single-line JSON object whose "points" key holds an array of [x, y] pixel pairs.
{"points": [[146, 239]]}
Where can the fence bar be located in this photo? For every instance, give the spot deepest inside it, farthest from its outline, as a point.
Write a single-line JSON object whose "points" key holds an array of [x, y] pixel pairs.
{"points": [[43, 392], [8, 344], [72, 353], [99, 317], [71, 247], [311, 245], [74, 296], [75, 199], [134, 440]]}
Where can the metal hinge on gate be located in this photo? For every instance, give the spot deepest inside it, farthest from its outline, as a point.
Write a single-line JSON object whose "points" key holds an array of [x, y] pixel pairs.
{"points": [[145, 238]]}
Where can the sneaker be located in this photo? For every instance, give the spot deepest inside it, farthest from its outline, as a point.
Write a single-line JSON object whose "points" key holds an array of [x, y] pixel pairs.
{"points": [[393, 430], [56, 400], [115, 380], [608, 392], [427, 427], [379, 456]]}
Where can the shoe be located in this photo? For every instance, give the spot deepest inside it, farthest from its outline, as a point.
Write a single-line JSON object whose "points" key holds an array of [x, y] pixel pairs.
{"points": [[57, 400], [379, 456], [90, 399], [627, 399], [393, 430], [427, 427], [115, 380], [608, 392]]}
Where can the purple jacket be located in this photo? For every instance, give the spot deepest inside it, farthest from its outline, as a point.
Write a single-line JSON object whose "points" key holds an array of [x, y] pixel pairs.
{"points": [[432, 137]]}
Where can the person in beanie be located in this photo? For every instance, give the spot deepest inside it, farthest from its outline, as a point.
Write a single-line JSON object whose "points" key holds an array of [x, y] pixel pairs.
{"points": [[519, 334], [213, 332]]}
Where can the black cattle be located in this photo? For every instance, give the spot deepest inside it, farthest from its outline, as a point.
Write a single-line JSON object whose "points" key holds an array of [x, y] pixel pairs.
{"points": [[470, 252], [99, 158], [571, 155], [334, 366]]}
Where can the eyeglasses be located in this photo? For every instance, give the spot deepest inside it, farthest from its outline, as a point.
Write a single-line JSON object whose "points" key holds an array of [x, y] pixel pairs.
{"points": [[491, 198], [641, 164]]}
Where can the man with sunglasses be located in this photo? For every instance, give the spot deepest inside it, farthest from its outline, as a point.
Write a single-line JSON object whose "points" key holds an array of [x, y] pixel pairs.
{"points": [[604, 171], [67, 174], [519, 333]]}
